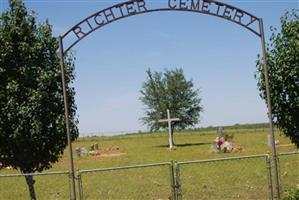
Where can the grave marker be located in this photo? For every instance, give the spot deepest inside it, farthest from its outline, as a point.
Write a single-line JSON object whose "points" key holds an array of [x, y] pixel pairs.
{"points": [[169, 120]]}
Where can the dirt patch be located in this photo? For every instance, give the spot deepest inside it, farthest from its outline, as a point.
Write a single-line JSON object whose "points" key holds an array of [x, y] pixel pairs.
{"points": [[112, 154], [285, 145], [113, 151]]}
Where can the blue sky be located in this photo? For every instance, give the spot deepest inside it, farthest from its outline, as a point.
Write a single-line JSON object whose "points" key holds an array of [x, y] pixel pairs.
{"points": [[111, 62]]}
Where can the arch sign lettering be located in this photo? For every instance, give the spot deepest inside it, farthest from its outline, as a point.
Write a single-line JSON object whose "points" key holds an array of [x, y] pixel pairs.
{"points": [[130, 8], [136, 7]]}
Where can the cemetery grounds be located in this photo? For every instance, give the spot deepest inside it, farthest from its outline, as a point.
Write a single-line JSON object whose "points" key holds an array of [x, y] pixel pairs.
{"points": [[227, 179]]}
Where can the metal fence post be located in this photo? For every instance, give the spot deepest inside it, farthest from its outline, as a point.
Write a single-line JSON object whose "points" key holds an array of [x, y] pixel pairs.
{"points": [[269, 106], [80, 188], [178, 182], [172, 180], [67, 120], [268, 163], [279, 171]]}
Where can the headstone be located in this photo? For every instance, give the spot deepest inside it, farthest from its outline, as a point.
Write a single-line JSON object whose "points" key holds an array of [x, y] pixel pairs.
{"points": [[96, 146], [83, 151], [77, 152], [220, 132], [91, 147]]}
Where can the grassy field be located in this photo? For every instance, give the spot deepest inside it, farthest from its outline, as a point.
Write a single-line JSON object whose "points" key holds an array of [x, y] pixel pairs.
{"points": [[241, 179]]}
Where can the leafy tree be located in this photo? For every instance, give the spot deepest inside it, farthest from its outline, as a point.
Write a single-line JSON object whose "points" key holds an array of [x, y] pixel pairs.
{"points": [[283, 62], [293, 195], [32, 122], [170, 90]]}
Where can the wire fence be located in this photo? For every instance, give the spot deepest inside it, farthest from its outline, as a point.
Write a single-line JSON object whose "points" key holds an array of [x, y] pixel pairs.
{"points": [[133, 182], [289, 172], [49, 185], [244, 177]]}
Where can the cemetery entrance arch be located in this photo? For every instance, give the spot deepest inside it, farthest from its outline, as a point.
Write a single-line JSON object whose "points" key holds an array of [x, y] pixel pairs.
{"points": [[136, 7]]}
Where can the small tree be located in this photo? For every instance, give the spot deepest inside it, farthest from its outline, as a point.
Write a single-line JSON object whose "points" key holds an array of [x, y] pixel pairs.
{"points": [[283, 63], [32, 122], [170, 90]]}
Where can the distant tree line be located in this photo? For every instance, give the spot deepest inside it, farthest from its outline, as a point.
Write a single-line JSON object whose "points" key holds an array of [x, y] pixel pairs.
{"points": [[235, 126]]}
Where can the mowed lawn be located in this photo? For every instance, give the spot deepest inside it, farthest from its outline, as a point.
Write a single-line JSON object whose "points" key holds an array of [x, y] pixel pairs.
{"points": [[236, 179]]}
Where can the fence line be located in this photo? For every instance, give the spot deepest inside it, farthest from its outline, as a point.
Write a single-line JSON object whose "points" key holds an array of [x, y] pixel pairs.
{"points": [[288, 153], [223, 159], [202, 185], [57, 185], [288, 171], [124, 167], [251, 171], [270, 178], [36, 174], [103, 171]]}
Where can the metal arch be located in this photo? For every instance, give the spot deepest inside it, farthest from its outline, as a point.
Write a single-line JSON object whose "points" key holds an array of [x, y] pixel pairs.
{"points": [[86, 21], [252, 19]]}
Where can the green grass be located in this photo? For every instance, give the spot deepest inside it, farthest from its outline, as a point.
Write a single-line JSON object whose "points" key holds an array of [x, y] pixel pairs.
{"points": [[242, 179]]}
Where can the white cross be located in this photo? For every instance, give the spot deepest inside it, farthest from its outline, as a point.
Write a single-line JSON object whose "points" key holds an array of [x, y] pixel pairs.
{"points": [[169, 120]]}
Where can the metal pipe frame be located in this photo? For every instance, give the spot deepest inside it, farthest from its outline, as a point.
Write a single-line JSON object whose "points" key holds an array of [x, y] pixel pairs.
{"points": [[153, 10], [35, 174], [123, 168], [288, 153], [223, 159], [67, 120], [269, 106], [103, 170], [266, 75], [269, 169]]}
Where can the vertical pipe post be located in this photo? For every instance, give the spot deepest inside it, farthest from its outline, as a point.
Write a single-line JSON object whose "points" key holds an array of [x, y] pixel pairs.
{"points": [[172, 180], [179, 195], [67, 120], [80, 187], [268, 163], [269, 105]]}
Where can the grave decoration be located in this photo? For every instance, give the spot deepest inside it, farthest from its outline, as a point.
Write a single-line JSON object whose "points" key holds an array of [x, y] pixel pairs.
{"points": [[8, 167], [224, 143]]}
